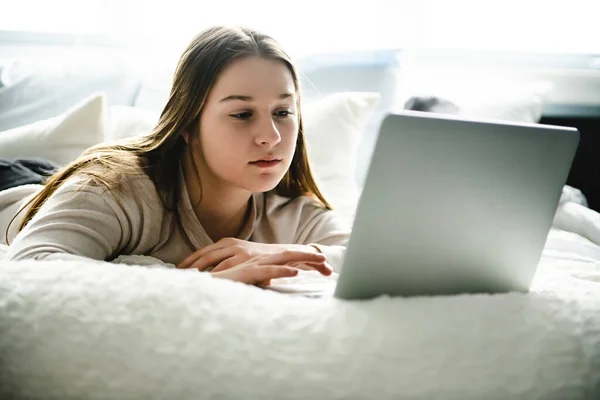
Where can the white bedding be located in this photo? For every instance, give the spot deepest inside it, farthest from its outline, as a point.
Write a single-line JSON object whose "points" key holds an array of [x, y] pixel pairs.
{"points": [[72, 330]]}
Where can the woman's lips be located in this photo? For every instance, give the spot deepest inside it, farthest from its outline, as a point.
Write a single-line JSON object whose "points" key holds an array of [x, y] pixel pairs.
{"points": [[265, 163]]}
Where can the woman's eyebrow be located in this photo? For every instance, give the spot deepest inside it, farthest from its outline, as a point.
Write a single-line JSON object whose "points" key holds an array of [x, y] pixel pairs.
{"points": [[250, 98]]}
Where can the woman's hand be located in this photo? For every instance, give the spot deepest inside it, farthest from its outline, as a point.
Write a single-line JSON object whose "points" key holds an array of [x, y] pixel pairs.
{"points": [[261, 269], [230, 252]]}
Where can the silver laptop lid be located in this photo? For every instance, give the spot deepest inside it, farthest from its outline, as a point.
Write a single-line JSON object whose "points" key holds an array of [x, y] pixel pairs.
{"points": [[455, 206]]}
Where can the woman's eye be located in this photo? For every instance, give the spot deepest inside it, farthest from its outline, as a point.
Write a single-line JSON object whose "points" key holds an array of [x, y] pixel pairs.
{"points": [[283, 113], [242, 115]]}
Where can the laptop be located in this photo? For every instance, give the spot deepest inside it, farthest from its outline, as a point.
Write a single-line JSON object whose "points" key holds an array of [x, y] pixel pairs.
{"points": [[453, 205]]}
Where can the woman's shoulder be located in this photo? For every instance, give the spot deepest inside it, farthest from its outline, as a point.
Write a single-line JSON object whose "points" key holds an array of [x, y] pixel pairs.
{"points": [[129, 186]]}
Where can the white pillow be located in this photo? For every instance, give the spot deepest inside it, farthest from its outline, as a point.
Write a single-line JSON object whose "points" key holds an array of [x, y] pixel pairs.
{"points": [[333, 127], [125, 121], [60, 139], [509, 102]]}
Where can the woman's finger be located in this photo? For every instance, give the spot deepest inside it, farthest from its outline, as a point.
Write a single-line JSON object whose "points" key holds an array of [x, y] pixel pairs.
{"points": [[255, 274], [264, 273], [290, 256], [213, 258], [325, 269], [305, 265], [264, 283], [189, 260], [321, 267], [232, 261]]}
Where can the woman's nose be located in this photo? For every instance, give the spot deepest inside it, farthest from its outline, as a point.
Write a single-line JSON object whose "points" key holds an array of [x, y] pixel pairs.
{"points": [[267, 133]]}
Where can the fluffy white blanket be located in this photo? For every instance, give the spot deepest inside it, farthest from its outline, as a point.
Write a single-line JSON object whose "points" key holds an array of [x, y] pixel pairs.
{"points": [[95, 330], [70, 331]]}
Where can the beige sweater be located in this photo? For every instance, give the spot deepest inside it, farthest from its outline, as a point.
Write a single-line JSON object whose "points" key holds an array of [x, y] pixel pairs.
{"points": [[93, 224]]}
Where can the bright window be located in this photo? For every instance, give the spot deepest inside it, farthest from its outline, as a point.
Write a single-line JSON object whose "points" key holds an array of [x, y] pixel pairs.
{"points": [[326, 25]]}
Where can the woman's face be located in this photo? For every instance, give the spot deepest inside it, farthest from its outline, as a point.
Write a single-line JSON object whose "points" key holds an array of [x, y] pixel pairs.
{"points": [[249, 125]]}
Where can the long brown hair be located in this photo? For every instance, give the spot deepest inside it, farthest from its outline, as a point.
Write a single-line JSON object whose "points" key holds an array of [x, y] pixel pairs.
{"points": [[159, 153]]}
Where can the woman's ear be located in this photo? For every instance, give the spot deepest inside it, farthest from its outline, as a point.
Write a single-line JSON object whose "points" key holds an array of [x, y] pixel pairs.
{"points": [[186, 136]]}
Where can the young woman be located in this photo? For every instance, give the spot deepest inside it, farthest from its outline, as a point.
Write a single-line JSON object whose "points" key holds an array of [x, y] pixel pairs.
{"points": [[221, 184]]}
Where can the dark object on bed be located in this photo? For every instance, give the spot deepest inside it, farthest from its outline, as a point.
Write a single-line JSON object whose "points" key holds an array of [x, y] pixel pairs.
{"points": [[431, 104], [585, 172], [25, 171]]}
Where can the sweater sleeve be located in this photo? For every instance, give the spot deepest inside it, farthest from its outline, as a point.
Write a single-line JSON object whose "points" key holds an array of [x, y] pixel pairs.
{"points": [[327, 231], [74, 221]]}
